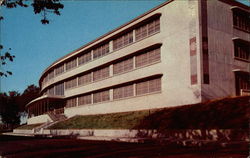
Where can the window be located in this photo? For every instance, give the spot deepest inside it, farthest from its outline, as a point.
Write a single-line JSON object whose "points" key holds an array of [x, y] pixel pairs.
{"points": [[71, 102], [241, 50], [71, 64], [59, 89], [123, 40], [242, 83], [148, 57], [148, 86], [101, 96], [46, 78], [85, 79], [84, 58], [147, 29], [83, 100], [59, 70], [101, 74], [51, 91], [71, 83], [123, 92], [101, 51], [51, 74], [241, 20], [123, 66]]}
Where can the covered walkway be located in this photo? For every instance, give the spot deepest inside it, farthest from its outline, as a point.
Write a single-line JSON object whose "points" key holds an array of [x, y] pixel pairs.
{"points": [[45, 104]]}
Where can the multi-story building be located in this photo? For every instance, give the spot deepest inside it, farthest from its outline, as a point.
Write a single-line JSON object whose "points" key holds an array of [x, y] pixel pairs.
{"points": [[181, 52]]}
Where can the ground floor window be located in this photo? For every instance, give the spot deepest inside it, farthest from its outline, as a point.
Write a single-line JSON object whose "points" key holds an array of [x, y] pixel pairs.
{"points": [[242, 83]]}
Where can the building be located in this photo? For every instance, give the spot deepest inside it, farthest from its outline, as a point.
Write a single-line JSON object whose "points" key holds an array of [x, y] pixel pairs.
{"points": [[181, 52]]}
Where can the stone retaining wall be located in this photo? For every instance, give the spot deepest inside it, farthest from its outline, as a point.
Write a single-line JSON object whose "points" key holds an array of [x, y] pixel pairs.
{"points": [[206, 135]]}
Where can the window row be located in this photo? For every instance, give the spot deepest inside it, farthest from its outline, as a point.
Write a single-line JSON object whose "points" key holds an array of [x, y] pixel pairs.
{"points": [[148, 57], [241, 20], [147, 29], [143, 59], [101, 73], [101, 51], [71, 83], [136, 89], [71, 102], [148, 86], [242, 50], [123, 40], [71, 64], [143, 31], [85, 79], [123, 66], [84, 58]]}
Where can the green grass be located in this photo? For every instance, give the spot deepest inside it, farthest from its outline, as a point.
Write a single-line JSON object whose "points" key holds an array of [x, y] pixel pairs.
{"points": [[227, 113], [126, 120], [31, 126]]}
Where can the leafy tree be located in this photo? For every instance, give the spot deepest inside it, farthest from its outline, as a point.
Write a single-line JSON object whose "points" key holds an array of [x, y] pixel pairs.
{"points": [[42, 7], [30, 93], [10, 108], [3, 59]]}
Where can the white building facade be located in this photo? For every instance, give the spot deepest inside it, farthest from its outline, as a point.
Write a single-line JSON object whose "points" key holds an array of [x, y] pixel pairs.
{"points": [[181, 52]]}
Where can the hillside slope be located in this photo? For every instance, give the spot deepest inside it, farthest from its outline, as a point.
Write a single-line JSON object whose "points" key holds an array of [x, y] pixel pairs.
{"points": [[227, 113]]}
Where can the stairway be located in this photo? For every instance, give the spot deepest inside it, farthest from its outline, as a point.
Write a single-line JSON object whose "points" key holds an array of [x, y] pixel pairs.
{"points": [[55, 117]]}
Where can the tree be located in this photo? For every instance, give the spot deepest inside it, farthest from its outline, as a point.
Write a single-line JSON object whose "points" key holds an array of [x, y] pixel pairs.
{"points": [[30, 93], [10, 108], [4, 58], [42, 7]]}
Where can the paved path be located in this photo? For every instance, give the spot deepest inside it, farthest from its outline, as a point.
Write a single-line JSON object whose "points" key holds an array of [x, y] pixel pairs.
{"points": [[20, 147]]}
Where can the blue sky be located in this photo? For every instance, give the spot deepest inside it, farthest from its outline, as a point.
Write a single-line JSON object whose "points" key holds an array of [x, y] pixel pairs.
{"points": [[36, 46]]}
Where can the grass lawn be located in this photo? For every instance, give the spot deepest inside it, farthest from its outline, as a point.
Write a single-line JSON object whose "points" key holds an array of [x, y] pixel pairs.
{"points": [[126, 120], [31, 126], [227, 113]]}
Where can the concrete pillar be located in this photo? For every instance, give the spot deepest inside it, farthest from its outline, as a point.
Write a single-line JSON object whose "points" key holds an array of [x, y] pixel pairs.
{"points": [[77, 62], [133, 35], [134, 62], [92, 54], [110, 46], [92, 98], [111, 70], [77, 101], [111, 94], [134, 88]]}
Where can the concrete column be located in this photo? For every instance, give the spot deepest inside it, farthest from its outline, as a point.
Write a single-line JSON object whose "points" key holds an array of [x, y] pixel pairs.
{"points": [[111, 70], [64, 67], [92, 54], [77, 62], [111, 94], [134, 62], [77, 101], [133, 35], [92, 98], [134, 88], [77, 78], [92, 76], [110, 46]]}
